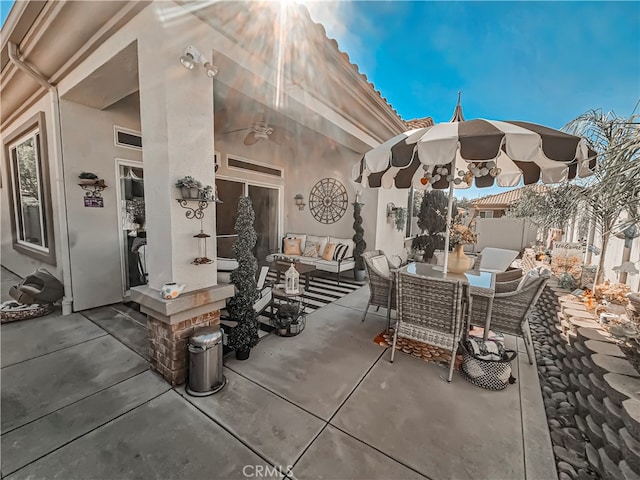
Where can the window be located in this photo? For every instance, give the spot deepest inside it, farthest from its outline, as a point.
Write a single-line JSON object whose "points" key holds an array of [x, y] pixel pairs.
{"points": [[127, 138], [29, 187], [487, 214], [244, 164]]}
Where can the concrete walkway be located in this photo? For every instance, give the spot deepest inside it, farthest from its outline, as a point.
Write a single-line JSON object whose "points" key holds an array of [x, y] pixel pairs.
{"points": [[79, 401]]}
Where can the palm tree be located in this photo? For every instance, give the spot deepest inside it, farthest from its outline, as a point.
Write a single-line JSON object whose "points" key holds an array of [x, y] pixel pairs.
{"points": [[614, 189]]}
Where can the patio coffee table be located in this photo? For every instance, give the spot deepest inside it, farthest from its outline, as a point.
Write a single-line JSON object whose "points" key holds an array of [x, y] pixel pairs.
{"points": [[302, 268]]}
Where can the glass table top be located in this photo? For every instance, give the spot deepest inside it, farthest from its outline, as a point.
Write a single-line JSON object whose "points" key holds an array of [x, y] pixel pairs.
{"points": [[475, 278]]}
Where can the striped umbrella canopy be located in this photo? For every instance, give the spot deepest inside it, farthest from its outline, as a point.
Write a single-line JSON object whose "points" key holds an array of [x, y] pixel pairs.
{"points": [[454, 154], [486, 151]]}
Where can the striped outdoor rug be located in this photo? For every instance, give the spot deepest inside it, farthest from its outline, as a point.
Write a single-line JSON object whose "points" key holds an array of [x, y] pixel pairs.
{"points": [[321, 292]]}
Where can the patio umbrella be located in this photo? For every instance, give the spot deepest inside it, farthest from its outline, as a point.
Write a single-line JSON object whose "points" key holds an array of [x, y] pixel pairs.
{"points": [[457, 153]]}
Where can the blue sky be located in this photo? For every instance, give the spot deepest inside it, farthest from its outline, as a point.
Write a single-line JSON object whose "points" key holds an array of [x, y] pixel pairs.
{"points": [[535, 61]]}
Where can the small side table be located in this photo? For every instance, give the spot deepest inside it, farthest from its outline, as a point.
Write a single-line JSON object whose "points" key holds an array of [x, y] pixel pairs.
{"points": [[294, 299]]}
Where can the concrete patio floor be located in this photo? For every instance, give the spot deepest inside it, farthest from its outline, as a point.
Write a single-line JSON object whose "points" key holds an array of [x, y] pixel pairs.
{"points": [[79, 401]]}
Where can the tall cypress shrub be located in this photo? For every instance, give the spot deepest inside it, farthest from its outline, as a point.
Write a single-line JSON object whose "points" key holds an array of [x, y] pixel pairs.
{"points": [[245, 335], [358, 237]]}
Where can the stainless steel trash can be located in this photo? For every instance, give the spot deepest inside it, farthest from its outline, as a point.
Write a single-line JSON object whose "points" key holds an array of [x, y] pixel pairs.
{"points": [[205, 362]]}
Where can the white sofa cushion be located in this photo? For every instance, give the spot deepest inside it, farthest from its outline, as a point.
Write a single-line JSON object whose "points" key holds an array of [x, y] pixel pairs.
{"points": [[226, 264], [345, 241], [332, 265]]}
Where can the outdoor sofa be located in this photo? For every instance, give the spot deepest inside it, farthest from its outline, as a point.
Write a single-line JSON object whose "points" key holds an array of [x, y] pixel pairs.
{"points": [[311, 251]]}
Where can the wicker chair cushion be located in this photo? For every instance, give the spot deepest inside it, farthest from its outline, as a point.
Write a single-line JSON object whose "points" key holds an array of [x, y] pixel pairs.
{"points": [[533, 275], [381, 264]]}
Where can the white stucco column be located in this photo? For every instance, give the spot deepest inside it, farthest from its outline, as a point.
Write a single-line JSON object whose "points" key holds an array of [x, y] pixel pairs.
{"points": [[176, 113]]}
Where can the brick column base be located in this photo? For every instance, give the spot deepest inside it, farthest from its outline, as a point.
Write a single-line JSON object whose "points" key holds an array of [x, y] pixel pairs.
{"points": [[168, 344]]}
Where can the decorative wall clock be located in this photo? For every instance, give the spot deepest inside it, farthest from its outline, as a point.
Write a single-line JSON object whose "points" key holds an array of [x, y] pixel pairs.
{"points": [[328, 200]]}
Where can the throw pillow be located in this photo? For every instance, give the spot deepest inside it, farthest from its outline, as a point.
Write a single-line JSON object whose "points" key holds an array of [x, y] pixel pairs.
{"points": [[292, 246], [312, 249], [328, 251], [340, 252]]}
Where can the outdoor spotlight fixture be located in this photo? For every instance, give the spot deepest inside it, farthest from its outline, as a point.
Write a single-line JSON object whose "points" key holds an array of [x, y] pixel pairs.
{"points": [[193, 57], [299, 200]]}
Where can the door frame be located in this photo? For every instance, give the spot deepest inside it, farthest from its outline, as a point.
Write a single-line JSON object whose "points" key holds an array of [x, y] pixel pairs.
{"points": [[245, 191], [123, 162]]}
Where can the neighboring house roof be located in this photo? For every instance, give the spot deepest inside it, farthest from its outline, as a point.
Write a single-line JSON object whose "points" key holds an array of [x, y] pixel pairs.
{"points": [[419, 123], [507, 198]]}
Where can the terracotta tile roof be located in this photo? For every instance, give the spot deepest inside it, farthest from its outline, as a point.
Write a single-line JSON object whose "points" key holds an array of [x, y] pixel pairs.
{"points": [[506, 198], [333, 42], [419, 123]]}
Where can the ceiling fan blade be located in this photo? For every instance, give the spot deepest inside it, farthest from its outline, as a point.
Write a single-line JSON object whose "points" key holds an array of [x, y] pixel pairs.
{"points": [[280, 135], [251, 139], [236, 130]]}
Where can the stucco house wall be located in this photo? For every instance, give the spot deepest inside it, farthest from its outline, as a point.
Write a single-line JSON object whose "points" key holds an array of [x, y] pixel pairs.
{"points": [[11, 259], [94, 232]]}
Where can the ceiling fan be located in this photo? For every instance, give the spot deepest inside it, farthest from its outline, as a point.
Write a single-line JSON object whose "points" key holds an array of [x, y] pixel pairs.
{"points": [[259, 130]]}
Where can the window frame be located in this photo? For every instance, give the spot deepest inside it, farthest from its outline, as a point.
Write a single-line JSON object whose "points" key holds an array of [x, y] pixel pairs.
{"points": [[32, 127]]}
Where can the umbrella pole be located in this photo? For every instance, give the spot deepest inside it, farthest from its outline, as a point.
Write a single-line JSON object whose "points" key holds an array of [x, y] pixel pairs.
{"points": [[448, 230]]}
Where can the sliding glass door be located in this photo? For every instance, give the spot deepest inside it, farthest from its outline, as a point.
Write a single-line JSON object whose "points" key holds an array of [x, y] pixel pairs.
{"points": [[266, 206]]}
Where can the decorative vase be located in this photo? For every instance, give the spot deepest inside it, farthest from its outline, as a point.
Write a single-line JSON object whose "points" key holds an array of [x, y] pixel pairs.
{"points": [[358, 275], [243, 354], [458, 261]]}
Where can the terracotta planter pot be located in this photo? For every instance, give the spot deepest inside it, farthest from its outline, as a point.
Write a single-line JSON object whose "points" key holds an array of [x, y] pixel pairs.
{"points": [[458, 261]]}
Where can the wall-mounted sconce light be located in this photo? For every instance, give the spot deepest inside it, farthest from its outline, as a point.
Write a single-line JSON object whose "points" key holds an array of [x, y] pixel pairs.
{"points": [[193, 57], [299, 201], [391, 209]]}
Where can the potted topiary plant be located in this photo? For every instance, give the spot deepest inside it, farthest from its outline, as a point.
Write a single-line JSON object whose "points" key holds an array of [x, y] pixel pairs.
{"points": [[358, 240], [189, 187], [244, 335]]}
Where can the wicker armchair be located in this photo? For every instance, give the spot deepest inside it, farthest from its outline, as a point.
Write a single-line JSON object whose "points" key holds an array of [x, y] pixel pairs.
{"points": [[381, 283], [509, 275], [511, 309], [430, 310]]}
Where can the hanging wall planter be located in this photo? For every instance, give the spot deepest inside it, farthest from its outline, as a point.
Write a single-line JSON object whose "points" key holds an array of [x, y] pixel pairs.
{"points": [[189, 187], [401, 218]]}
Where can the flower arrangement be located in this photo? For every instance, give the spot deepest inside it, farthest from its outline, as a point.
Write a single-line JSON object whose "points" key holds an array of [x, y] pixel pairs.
{"points": [[461, 232], [561, 264], [613, 293]]}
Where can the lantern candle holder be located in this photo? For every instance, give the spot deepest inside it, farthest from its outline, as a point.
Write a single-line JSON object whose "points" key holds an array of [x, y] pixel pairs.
{"points": [[202, 258], [292, 281]]}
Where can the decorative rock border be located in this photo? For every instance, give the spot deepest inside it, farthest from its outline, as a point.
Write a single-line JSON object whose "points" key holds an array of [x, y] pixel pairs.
{"points": [[591, 393]]}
